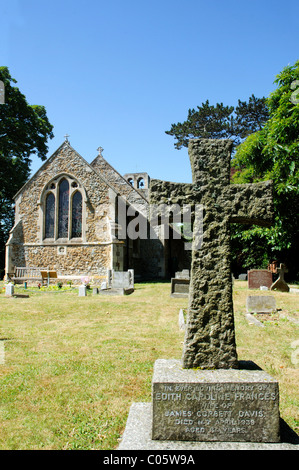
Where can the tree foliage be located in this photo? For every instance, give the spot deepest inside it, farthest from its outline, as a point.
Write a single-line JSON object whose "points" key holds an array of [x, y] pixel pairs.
{"points": [[273, 153], [221, 122], [24, 131]]}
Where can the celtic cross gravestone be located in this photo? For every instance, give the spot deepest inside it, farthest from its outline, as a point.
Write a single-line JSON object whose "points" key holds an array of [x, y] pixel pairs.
{"points": [[210, 335]]}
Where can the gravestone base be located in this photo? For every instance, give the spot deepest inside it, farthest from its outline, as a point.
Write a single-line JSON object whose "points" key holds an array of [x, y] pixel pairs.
{"points": [[117, 291], [195, 409], [138, 436], [191, 409], [214, 405]]}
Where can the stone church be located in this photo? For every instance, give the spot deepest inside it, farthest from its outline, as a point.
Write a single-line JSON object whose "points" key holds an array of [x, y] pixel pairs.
{"points": [[67, 220]]}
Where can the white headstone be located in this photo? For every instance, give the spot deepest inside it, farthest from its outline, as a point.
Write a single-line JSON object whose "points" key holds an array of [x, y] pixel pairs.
{"points": [[82, 291], [9, 290]]}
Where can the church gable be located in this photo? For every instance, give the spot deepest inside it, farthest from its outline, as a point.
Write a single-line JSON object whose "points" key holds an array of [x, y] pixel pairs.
{"points": [[65, 176], [63, 218]]}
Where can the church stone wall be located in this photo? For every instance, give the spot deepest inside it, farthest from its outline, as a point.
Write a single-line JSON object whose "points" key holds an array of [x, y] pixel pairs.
{"points": [[73, 261], [26, 244]]}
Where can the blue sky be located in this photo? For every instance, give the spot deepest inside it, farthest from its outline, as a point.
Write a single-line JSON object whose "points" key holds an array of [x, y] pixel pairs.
{"points": [[117, 74]]}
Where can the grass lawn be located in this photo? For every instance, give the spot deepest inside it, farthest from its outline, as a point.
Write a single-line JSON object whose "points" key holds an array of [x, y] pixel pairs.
{"points": [[71, 366]]}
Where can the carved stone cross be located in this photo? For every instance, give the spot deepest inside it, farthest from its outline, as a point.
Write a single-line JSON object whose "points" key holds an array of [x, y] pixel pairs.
{"points": [[280, 284], [210, 334]]}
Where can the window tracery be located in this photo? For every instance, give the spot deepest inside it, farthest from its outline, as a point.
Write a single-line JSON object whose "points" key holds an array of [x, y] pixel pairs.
{"points": [[63, 209]]}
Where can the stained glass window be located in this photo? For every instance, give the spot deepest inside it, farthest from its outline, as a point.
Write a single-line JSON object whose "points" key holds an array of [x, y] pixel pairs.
{"points": [[50, 216], [63, 211], [77, 215]]}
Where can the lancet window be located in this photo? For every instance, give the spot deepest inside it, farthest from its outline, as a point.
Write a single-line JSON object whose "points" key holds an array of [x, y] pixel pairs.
{"points": [[63, 209]]}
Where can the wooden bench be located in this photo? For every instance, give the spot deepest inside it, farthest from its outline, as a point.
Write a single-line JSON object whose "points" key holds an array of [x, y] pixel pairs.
{"points": [[22, 274], [47, 275]]}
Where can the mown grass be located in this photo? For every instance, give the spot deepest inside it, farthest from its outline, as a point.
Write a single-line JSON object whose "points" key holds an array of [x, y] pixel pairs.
{"points": [[73, 365]]}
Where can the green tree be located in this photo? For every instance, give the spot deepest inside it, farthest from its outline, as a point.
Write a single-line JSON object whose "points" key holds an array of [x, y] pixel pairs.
{"points": [[24, 131], [221, 122], [207, 122], [273, 153], [251, 116]]}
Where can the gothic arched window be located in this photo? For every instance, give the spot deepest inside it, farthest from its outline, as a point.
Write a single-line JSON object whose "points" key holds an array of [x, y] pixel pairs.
{"points": [[63, 209], [50, 216], [77, 215]]}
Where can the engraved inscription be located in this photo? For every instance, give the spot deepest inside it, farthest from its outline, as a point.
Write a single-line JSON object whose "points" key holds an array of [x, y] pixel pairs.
{"points": [[228, 411]]}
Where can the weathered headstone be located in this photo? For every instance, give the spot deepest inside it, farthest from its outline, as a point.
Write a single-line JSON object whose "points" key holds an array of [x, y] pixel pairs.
{"points": [[124, 279], [210, 334], [260, 304], [180, 284], [204, 404], [184, 274], [179, 287], [280, 283], [259, 277], [209, 395], [118, 283]]}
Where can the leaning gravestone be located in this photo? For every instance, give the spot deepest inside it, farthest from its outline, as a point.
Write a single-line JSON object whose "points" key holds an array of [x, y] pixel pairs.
{"points": [[207, 396]]}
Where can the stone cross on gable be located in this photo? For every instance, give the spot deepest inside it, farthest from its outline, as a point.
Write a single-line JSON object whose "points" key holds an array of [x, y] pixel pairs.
{"points": [[210, 334], [100, 150]]}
